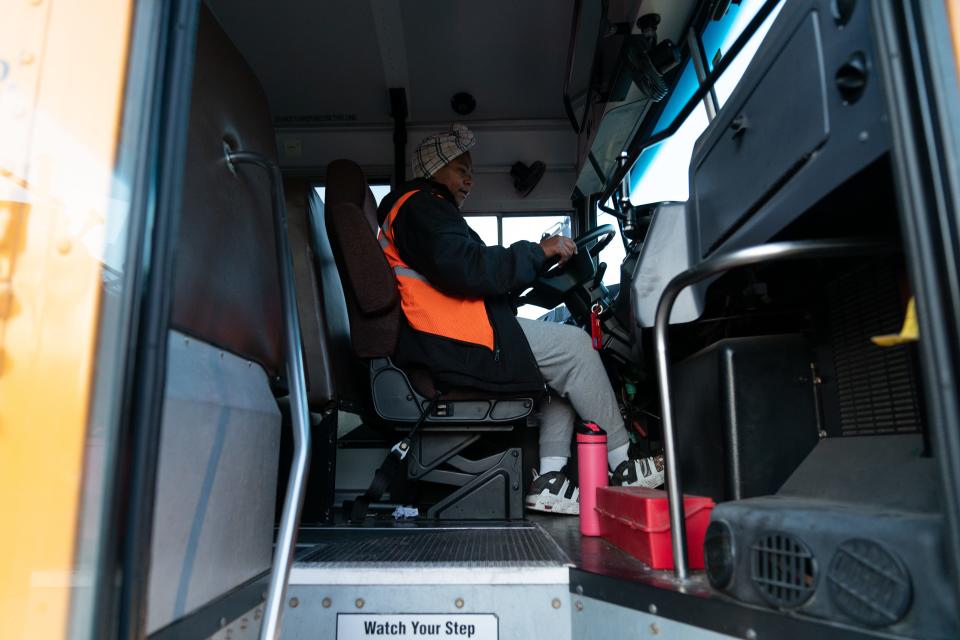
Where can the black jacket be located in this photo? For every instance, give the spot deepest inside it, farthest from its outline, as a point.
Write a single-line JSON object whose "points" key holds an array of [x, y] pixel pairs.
{"points": [[433, 238]]}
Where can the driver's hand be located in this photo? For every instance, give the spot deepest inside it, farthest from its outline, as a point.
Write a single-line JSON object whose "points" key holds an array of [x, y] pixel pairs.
{"points": [[558, 247]]}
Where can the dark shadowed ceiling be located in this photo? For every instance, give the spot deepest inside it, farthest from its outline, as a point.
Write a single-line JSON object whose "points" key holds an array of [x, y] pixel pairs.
{"points": [[333, 60]]}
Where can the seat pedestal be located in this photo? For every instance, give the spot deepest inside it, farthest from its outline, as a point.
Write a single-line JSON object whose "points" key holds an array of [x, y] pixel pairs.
{"points": [[489, 488]]}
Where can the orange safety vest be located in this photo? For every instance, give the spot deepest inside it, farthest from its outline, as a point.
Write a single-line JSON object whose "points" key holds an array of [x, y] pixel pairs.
{"points": [[427, 308]]}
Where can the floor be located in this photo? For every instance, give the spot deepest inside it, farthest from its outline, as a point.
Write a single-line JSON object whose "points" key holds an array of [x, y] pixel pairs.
{"points": [[558, 541]]}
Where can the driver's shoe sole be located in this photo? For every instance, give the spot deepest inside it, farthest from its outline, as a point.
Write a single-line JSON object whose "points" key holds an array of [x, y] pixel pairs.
{"points": [[549, 503]]}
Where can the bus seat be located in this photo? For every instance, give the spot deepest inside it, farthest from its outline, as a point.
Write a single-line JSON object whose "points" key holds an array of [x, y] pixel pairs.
{"points": [[486, 490], [334, 377], [219, 437]]}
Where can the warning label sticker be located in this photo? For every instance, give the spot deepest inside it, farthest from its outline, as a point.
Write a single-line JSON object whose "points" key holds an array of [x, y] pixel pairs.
{"points": [[475, 626]]}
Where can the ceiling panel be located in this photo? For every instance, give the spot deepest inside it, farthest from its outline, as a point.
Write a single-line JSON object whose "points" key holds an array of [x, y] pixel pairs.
{"points": [[510, 55], [321, 58], [313, 58]]}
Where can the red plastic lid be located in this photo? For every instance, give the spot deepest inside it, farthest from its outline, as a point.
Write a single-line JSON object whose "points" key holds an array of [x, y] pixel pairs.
{"points": [[645, 509]]}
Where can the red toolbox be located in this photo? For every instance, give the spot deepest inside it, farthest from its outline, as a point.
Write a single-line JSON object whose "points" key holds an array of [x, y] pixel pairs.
{"points": [[638, 521]]}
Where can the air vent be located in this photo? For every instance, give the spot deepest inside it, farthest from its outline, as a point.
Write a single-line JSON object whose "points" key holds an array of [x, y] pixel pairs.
{"points": [[718, 552], [783, 570], [868, 583]]}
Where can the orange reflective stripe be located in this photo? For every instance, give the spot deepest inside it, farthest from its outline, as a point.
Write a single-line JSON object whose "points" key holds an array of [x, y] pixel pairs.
{"points": [[428, 309]]}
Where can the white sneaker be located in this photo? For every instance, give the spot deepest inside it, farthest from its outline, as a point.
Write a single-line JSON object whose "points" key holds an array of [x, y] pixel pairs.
{"points": [[553, 492], [647, 472]]}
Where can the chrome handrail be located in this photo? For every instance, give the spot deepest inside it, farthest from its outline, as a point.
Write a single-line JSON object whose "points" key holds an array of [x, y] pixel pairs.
{"points": [[283, 554], [772, 252]]}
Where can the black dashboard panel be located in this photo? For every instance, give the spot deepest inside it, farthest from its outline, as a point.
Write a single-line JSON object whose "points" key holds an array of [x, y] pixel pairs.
{"points": [[807, 115]]}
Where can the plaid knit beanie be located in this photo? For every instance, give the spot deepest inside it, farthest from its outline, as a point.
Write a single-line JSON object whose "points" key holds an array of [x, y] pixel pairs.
{"points": [[440, 149]]}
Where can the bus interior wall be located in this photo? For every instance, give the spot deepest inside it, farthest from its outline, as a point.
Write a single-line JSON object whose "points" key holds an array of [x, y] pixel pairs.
{"points": [[837, 398]]}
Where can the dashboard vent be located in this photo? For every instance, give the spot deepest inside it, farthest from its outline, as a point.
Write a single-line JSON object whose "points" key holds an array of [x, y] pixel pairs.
{"points": [[868, 583], [783, 570]]}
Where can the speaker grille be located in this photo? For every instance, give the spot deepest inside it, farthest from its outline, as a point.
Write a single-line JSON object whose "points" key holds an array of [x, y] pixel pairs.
{"points": [[876, 387], [783, 570], [868, 583]]}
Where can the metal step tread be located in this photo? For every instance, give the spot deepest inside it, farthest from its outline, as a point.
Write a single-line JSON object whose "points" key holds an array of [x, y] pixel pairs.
{"points": [[425, 548]]}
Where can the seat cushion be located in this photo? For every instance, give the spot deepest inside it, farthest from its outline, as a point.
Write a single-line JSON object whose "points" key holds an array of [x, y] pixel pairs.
{"points": [[423, 384]]}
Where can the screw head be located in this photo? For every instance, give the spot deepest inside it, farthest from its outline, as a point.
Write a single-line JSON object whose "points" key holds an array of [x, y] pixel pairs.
{"points": [[326, 602], [654, 629], [223, 622], [578, 605], [458, 603], [294, 603], [652, 609], [751, 634], [556, 604], [359, 603]]}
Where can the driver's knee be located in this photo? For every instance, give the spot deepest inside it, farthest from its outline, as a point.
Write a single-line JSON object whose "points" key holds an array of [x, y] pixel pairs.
{"points": [[579, 344]]}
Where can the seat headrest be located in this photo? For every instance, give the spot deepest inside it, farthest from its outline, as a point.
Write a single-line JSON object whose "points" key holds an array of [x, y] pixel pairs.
{"points": [[352, 189]]}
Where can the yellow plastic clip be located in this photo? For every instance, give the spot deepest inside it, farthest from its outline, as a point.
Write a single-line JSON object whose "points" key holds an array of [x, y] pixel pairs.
{"points": [[908, 333]]}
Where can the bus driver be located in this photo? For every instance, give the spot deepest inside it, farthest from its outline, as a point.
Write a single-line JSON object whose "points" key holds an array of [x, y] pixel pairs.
{"points": [[462, 325]]}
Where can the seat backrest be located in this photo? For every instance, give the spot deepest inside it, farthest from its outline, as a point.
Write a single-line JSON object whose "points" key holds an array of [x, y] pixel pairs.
{"points": [[227, 288], [333, 373], [373, 304]]}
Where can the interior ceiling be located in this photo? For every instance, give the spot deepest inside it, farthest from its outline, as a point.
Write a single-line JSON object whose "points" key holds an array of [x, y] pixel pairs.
{"points": [[325, 58]]}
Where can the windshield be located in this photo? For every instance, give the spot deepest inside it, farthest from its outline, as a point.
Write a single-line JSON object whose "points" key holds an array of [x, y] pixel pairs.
{"points": [[660, 173]]}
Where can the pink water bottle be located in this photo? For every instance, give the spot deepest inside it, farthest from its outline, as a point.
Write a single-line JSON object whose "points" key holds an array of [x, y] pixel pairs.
{"points": [[592, 469]]}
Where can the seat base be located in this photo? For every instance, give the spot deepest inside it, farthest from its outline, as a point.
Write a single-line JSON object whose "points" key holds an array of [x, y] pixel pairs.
{"points": [[396, 399], [489, 488]]}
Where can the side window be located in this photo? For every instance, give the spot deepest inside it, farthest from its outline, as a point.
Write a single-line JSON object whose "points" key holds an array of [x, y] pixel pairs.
{"points": [[533, 228], [487, 227], [504, 230]]}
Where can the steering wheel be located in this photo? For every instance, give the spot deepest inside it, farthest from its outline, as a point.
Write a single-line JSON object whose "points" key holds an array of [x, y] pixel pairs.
{"points": [[592, 242], [555, 283]]}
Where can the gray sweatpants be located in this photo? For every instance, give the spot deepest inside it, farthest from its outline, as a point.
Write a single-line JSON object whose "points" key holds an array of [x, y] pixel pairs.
{"points": [[578, 384]]}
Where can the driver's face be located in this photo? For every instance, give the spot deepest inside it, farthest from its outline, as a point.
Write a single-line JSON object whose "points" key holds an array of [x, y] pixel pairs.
{"points": [[457, 176]]}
